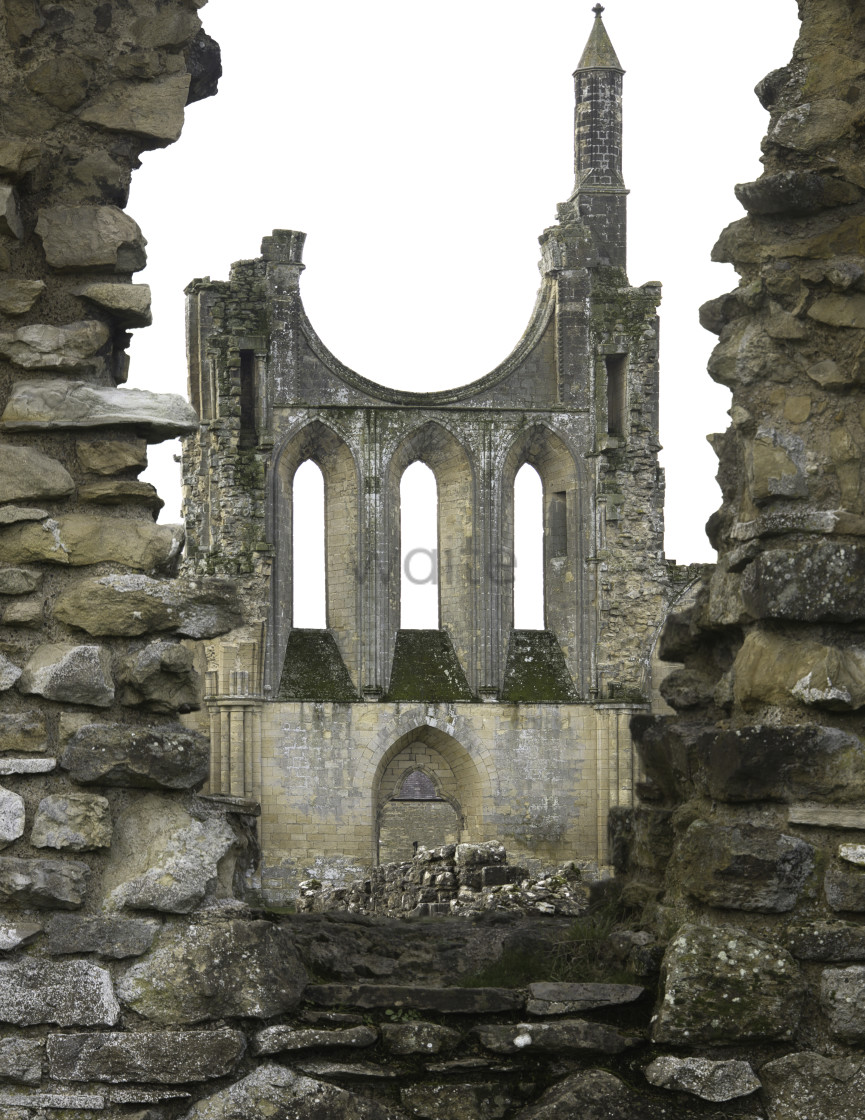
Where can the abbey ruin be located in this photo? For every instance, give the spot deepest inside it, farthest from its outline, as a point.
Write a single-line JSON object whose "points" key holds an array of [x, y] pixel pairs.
{"points": [[158, 702]]}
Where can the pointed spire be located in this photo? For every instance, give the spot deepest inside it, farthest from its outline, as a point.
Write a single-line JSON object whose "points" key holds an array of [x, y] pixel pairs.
{"points": [[599, 53]]}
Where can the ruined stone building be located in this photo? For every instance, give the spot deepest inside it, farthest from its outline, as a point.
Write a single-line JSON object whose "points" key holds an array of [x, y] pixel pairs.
{"points": [[363, 737]]}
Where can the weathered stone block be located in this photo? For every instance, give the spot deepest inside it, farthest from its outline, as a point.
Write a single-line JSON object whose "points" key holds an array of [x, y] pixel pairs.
{"points": [[772, 668], [74, 674], [721, 984], [568, 1036], [845, 887], [562, 999], [128, 303], [159, 677], [69, 993], [115, 938], [808, 1086], [274, 1040], [11, 817], [743, 867], [110, 456], [67, 349], [827, 941], [192, 974], [781, 764], [486, 1100], [822, 582], [27, 765], [9, 673], [81, 539], [40, 405], [460, 1001], [136, 604], [18, 581], [151, 110], [170, 757], [43, 882], [713, 1081], [418, 1038], [27, 473], [595, 1094], [273, 1091], [14, 935], [21, 1060], [91, 237], [10, 222], [18, 296], [842, 998], [795, 192], [166, 1057], [78, 821]]}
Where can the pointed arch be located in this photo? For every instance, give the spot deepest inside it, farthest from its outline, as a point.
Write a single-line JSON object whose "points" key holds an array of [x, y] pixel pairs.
{"points": [[319, 443], [566, 612], [436, 447]]}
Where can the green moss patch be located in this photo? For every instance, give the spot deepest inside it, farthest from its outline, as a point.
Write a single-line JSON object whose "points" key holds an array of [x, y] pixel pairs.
{"points": [[314, 670], [536, 672], [425, 667]]}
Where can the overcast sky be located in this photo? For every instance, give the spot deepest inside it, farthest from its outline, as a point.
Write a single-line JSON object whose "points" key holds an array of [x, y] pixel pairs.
{"points": [[423, 149]]}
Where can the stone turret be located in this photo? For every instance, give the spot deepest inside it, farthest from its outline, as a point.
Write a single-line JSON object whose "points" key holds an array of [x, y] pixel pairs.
{"points": [[599, 190]]}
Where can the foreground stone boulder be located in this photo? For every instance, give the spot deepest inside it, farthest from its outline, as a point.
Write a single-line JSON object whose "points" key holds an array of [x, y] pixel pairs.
{"points": [[721, 984], [808, 1086], [75, 674], [712, 1081], [168, 756], [68, 993], [275, 1093], [195, 974]]}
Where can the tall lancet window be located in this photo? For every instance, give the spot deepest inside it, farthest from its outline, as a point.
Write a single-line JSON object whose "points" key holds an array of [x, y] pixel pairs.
{"points": [[309, 608], [419, 563], [528, 549]]}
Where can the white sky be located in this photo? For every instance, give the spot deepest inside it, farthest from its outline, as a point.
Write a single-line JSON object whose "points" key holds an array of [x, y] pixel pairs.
{"points": [[423, 149]]}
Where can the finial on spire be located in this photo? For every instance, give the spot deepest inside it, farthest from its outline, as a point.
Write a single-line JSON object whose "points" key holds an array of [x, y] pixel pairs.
{"points": [[598, 8]]}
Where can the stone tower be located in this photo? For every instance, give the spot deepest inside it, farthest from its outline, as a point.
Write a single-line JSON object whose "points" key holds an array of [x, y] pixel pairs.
{"points": [[362, 737]]}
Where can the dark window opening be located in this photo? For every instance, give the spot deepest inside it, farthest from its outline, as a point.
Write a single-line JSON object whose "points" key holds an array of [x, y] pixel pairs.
{"points": [[248, 435], [417, 786], [616, 369], [559, 524]]}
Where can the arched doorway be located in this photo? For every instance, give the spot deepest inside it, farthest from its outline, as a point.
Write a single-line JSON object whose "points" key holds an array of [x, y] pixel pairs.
{"points": [[417, 804]]}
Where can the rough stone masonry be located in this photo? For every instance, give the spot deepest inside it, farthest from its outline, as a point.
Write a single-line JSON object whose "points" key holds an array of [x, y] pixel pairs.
{"points": [[134, 983]]}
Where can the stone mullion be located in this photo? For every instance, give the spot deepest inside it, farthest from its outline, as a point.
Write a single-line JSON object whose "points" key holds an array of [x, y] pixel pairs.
{"points": [[374, 616], [488, 566]]}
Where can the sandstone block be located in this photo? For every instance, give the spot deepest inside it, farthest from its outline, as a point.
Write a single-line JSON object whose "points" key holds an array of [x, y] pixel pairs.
{"points": [[166, 1057], [114, 938], [839, 310], [460, 1001], [479, 855], [18, 581], [67, 349], [91, 237], [561, 999], [121, 492], [128, 303], [136, 604], [151, 110], [774, 464], [9, 515], [13, 936], [169, 757], [418, 1038], [183, 870], [595, 1094], [18, 296], [845, 887], [743, 867], [37, 405], [842, 998], [74, 674], [484, 1100], [771, 668], [808, 1086], [27, 765], [781, 764], [110, 456], [27, 473], [274, 1040], [721, 984], [68, 993], [165, 28], [273, 1091], [812, 125], [43, 882], [78, 821], [568, 1036], [11, 817], [713, 1081], [62, 81], [823, 582], [192, 974], [80, 539], [796, 192], [10, 222], [16, 156], [21, 1060], [26, 612]]}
